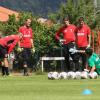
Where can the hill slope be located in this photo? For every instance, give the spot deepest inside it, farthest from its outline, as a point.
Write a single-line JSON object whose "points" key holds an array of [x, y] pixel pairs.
{"points": [[37, 7]]}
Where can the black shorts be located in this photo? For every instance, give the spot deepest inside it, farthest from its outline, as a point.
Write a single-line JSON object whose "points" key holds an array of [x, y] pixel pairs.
{"points": [[3, 52], [26, 54], [67, 52]]}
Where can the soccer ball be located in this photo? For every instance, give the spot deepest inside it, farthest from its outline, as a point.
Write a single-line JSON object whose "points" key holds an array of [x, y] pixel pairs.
{"points": [[93, 75], [55, 75], [63, 75], [84, 75], [50, 75], [71, 75], [78, 75]]}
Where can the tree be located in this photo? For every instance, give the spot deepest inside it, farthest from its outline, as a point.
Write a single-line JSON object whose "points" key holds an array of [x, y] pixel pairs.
{"points": [[43, 37], [74, 10], [10, 27]]}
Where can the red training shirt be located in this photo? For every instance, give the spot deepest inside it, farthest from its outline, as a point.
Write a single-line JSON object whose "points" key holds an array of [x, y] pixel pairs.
{"points": [[68, 33], [9, 42], [82, 36], [27, 36]]}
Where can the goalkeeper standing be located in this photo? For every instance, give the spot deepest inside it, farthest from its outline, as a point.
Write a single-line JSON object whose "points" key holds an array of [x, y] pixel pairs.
{"points": [[68, 32], [83, 39], [26, 44]]}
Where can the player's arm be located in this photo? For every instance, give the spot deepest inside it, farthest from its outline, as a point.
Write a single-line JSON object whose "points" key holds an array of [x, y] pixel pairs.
{"points": [[87, 68], [12, 45], [75, 32], [20, 33], [32, 43], [57, 35], [90, 69], [32, 38], [89, 37], [19, 43], [89, 40], [33, 48], [93, 69]]}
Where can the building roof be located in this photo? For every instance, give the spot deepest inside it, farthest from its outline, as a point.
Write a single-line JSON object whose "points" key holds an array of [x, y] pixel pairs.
{"points": [[5, 12]]}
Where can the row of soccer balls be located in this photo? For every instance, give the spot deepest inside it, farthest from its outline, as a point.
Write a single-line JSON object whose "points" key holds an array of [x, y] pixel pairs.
{"points": [[72, 75]]}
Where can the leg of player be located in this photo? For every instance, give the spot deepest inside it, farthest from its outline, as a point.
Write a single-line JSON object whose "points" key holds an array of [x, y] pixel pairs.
{"points": [[6, 64], [3, 70], [25, 69]]}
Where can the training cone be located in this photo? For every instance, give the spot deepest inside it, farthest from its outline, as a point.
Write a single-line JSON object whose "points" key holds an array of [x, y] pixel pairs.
{"points": [[87, 92]]}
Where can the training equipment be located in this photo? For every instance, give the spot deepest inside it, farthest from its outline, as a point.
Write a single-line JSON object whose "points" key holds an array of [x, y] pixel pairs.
{"points": [[93, 75], [78, 75], [84, 75], [87, 92], [55, 75], [50, 75], [71, 75], [63, 75]]}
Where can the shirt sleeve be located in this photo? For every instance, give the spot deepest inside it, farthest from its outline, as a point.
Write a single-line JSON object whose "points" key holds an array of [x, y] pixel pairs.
{"points": [[12, 45], [20, 29], [91, 63], [88, 30], [57, 36]]}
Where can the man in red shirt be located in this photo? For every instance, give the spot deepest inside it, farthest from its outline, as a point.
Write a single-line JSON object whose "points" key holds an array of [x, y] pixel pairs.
{"points": [[26, 43], [83, 39], [7, 44], [68, 32]]}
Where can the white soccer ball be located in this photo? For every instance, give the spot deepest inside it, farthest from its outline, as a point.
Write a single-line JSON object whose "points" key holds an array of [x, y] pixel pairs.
{"points": [[50, 75], [71, 75], [93, 75], [84, 75], [63, 75], [78, 75], [55, 75]]}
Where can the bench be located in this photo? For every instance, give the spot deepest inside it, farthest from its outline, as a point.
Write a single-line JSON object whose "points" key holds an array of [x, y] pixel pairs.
{"points": [[42, 59]]}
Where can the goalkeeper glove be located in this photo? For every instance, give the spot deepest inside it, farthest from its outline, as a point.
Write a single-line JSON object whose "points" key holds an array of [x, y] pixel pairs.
{"points": [[20, 49], [73, 50], [33, 50]]}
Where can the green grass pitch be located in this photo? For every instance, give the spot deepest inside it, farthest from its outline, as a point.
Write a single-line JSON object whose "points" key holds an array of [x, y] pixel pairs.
{"points": [[38, 87]]}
